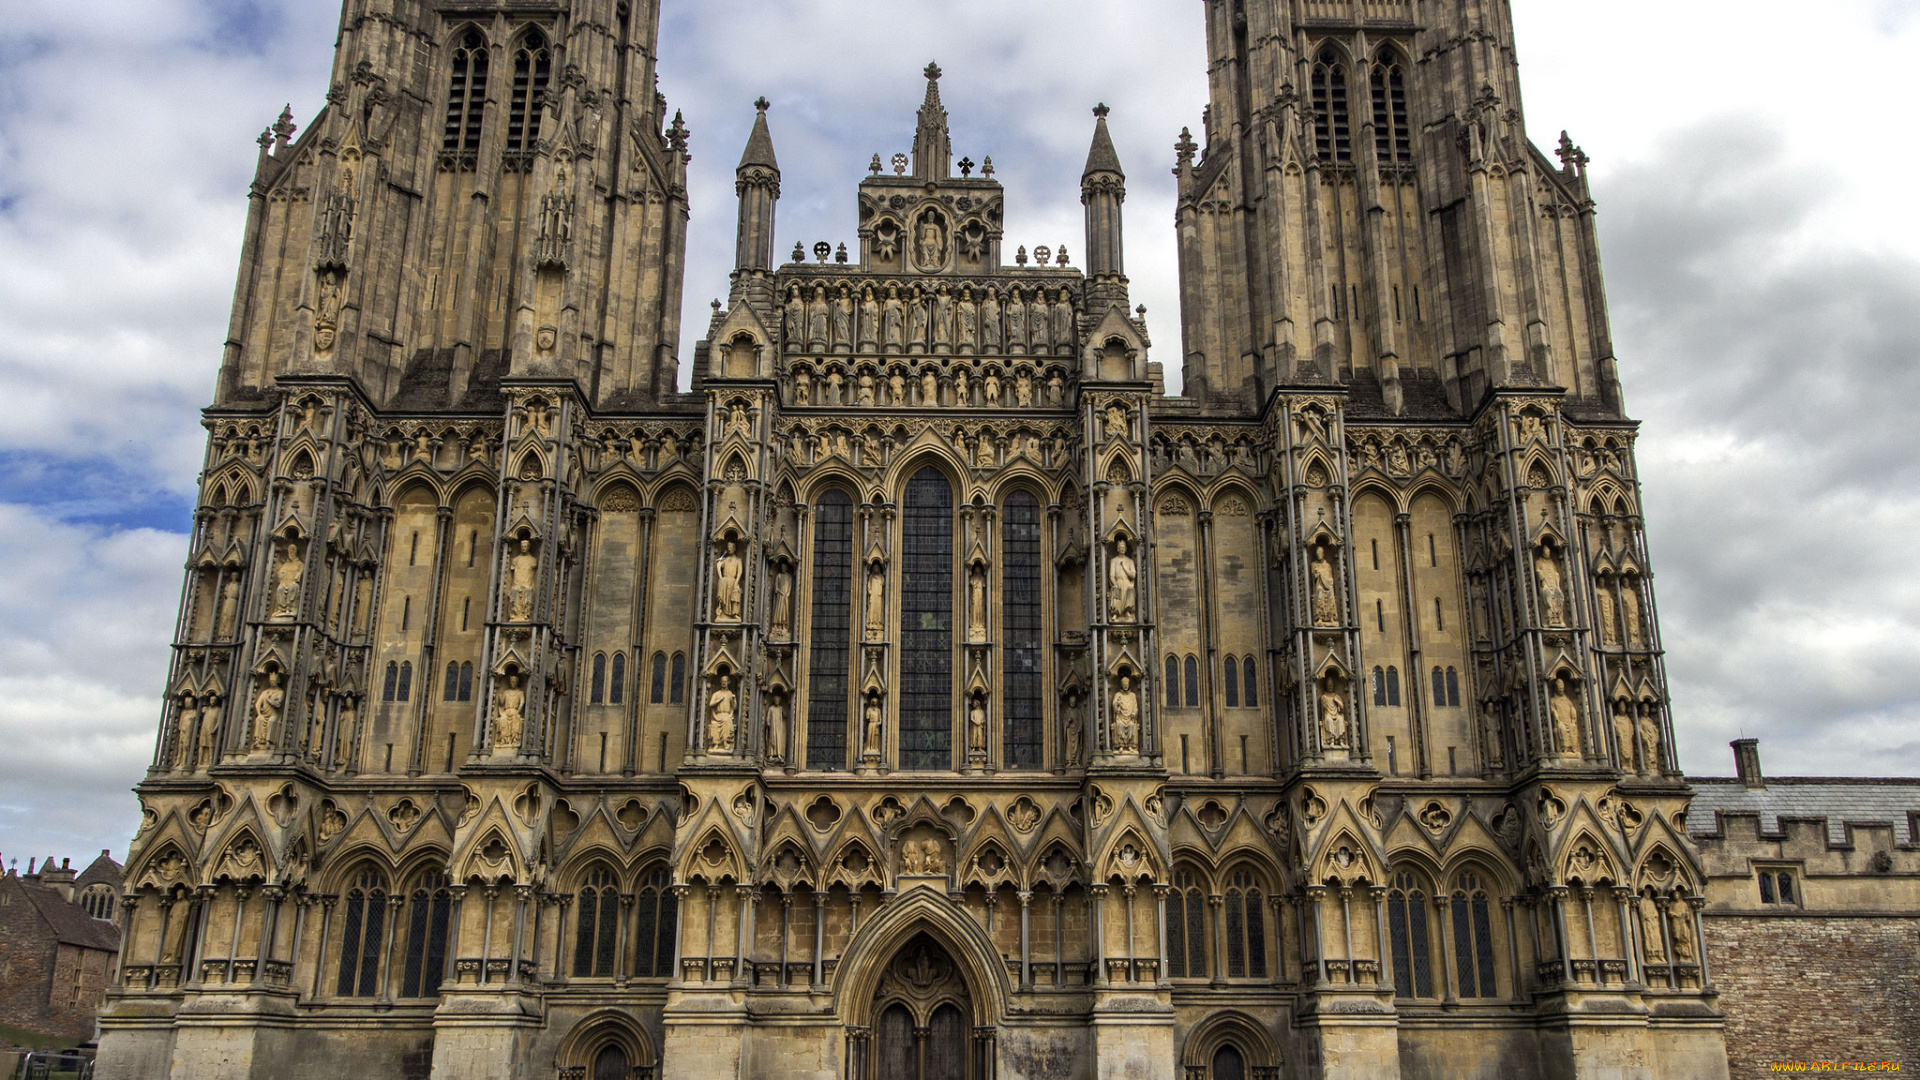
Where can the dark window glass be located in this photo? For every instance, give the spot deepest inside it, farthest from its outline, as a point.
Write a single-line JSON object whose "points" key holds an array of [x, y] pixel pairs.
{"points": [[428, 915], [599, 693], [679, 696], [391, 684], [1332, 127], [1766, 887], [1463, 947], [361, 940], [1173, 682], [1232, 673], [1176, 934], [829, 660], [1236, 934], [1439, 687], [1407, 927], [532, 67], [1391, 140], [466, 681], [599, 907], [453, 681], [1256, 935], [1453, 687], [1196, 932], [659, 692], [1193, 682], [926, 624], [653, 927], [1379, 687], [1020, 607], [617, 685], [1483, 946], [1393, 686], [406, 681], [466, 97], [1252, 695], [1786, 888]]}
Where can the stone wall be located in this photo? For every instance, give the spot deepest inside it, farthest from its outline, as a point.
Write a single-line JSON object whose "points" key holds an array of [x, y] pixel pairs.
{"points": [[1810, 988]]}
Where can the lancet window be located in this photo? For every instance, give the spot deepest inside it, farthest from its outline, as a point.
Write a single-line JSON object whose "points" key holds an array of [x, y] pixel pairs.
{"points": [[532, 67], [598, 930], [926, 624], [362, 931], [656, 914], [428, 913], [1446, 687], [1407, 927], [1193, 681], [830, 658], [1250, 682], [1186, 928], [1392, 140], [1232, 681], [1173, 681], [658, 692], [467, 95], [1473, 938], [1020, 606], [1246, 927], [459, 685], [617, 684], [1332, 126]]}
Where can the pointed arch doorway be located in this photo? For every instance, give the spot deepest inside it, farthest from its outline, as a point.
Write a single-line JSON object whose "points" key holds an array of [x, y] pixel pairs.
{"points": [[923, 1020]]}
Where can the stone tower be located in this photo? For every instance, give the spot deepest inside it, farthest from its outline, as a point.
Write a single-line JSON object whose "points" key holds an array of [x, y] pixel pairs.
{"points": [[924, 694]]}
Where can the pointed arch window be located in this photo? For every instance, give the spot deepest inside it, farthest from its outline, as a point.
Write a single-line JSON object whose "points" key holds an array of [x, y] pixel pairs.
{"points": [[453, 682], [1020, 608], [466, 681], [1332, 126], [405, 689], [1173, 681], [1446, 687], [391, 684], [1193, 681], [532, 67], [363, 930], [1249, 681], [1392, 140], [599, 691], [678, 689], [656, 912], [466, 95], [658, 692], [617, 681], [830, 657], [599, 926], [1246, 927], [1232, 681], [1473, 938], [1407, 927], [1186, 928], [926, 624], [428, 913]]}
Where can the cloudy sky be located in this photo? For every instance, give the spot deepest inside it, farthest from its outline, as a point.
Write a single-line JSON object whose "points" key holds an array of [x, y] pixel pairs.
{"points": [[1763, 261]]}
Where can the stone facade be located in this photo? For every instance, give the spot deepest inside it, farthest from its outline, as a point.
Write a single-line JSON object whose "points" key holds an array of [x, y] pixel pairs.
{"points": [[58, 943], [925, 694]]}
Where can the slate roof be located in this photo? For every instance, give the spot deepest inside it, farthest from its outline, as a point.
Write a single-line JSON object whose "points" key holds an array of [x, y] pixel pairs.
{"points": [[101, 871], [1840, 801], [70, 923]]}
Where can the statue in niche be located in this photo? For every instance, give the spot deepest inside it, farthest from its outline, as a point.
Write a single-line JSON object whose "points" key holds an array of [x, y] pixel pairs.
{"points": [[776, 733], [1326, 604], [344, 735], [1681, 926], [929, 388], [834, 379], [1603, 606], [1397, 460], [1564, 710], [1649, 743], [183, 739], [1653, 944], [933, 859], [990, 322], [1023, 390], [1016, 321], [781, 618], [1553, 597], [871, 720], [843, 318], [523, 572], [1063, 322], [228, 611], [1334, 732], [1056, 389], [869, 317], [876, 601], [932, 243], [268, 704], [896, 388], [1126, 719], [962, 389], [912, 862], [895, 320], [1630, 607], [286, 579], [983, 451], [968, 320], [977, 725], [727, 571], [738, 422], [722, 705], [1623, 734], [817, 319], [796, 318], [1114, 424], [1037, 323], [509, 715], [1121, 576], [991, 390], [866, 390], [977, 603], [942, 316], [1076, 729], [1489, 733], [209, 733]]}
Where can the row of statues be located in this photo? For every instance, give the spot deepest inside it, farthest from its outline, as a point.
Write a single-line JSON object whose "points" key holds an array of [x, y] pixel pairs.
{"points": [[965, 386], [1017, 321]]}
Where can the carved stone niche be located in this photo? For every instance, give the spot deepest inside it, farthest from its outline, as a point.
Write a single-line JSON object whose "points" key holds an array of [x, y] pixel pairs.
{"points": [[923, 855]]}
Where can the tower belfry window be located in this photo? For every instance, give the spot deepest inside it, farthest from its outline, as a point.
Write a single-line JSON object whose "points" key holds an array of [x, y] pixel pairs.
{"points": [[466, 95], [532, 66], [1392, 142], [1332, 126]]}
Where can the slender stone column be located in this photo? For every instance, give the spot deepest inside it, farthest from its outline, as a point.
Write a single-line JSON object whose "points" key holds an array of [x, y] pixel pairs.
{"points": [[1098, 903]]}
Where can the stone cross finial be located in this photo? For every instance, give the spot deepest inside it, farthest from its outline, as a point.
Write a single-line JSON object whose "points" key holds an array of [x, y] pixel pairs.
{"points": [[932, 72], [1101, 110], [761, 103]]}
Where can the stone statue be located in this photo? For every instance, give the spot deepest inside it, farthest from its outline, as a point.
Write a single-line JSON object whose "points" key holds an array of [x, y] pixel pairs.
{"points": [[969, 325], [1680, 924], [1565, 713], [929, 388], [933, 860], [871, 718], [522, 573], [1076, 730], [1603, 606], [894, 336], [1630, 607], [1553, 598], [932, 243], [343, 736], [990, 322], [916, 322], [1114, 425], [869, 318], [1037, 325], [1023, 390], [738, 422], [796, 318], [817, 319], [776, 734], [866, 390], [1326, 605], [1623, 734], [1126, 719], [721, 706], [983, 452], [1333, 717], [286, 579], [977, 725], [911, 860], [1063, 323], [977, 603], [942, 316], [267, 706], [727, 570], [843, 318], [962, 390], [1016, 322], [991, 390], [229, 610], [781, 619], [1121, 575], [209, 733], [1653, 944], [876, 600], [509, 716], [834, 379], [1649, 743], [183, 741], [1489, 733]]}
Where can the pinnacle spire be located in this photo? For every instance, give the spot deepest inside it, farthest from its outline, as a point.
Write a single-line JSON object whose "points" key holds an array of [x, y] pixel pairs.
{"points": [[759, 151], [1101, 157], [932, 149]]}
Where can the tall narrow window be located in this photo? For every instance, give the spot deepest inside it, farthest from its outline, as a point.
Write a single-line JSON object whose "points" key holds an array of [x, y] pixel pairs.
{"points": [[466, 681], [926, 624], [656, 918], [1332, 127], [1251, 680], [1193, 682], [1473, 939], [1232, 681], [406, 681], [1392, 142], [532, 66], [658, 693], [599, 925], [362, 933], [678, 691], [1393, 686], [1196, 929], [466, 96], [829, 662], [1453, 687], [1246, 928], [599, 692], [1173, 681], [1020, 608], [617, 682], [1407, 927], [427, 915], [1379, 686], [1439, 687], [453, 681]]}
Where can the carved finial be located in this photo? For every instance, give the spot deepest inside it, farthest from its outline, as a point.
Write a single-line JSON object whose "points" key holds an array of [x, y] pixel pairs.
{"points": [[840, 255], [1020, 256], [986, 166], [762, 103], [799, 253], [284, 127], [1185, 148], [822, 249], [874, 165], [677, 133], [966, 166], [932, 72], [1101, 110], [266, 139], [1060, 259], [1142, 312], [1572, 159]]}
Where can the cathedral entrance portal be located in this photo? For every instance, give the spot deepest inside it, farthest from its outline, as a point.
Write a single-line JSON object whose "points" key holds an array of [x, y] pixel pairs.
{"points": [[922, 1012]]}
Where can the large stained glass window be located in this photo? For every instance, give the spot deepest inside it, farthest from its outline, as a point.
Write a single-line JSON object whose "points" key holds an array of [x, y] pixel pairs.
{"points": [[1020, 608], [829, 665], [926, 624]]}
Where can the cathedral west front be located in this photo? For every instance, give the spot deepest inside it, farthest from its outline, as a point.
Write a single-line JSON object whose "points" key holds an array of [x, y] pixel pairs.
{"points": [[925, 694]]}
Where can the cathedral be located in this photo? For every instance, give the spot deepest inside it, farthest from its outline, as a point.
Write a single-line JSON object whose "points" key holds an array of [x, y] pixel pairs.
{"points": [[925, 694]]}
